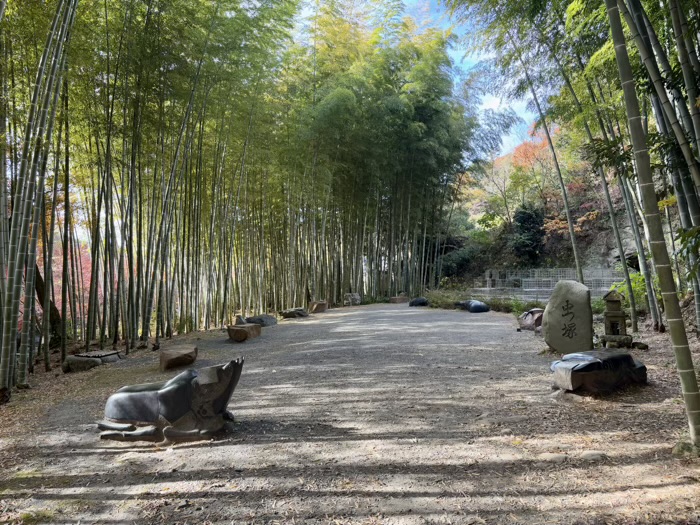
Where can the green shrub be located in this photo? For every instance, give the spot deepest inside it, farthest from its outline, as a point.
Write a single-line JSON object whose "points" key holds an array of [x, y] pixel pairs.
{"points": [[598, 305], [445, 298], [639, 289]]}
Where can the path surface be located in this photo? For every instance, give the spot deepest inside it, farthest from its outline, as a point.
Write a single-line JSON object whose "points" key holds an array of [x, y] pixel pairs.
{"points": [[379, 414]]}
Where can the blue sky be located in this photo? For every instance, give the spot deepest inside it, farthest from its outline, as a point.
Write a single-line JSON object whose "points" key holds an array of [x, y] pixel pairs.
{"points": [[429, 12]]}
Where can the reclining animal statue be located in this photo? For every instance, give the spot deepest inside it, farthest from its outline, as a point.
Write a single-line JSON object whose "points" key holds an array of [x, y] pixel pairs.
{"points": [[189, 407]]}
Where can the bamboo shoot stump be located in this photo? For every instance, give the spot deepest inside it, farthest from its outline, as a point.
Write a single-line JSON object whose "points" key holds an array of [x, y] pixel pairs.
{"points": [[243, 332]]}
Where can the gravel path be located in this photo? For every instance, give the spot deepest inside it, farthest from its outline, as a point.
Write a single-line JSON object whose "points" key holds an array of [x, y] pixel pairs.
{"points": [[376, 414]]}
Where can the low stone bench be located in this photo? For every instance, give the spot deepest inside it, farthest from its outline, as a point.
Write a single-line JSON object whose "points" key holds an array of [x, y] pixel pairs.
{"points": [[176, 356], [318, 307], [399, 299], [243, 332], [87, 360]]}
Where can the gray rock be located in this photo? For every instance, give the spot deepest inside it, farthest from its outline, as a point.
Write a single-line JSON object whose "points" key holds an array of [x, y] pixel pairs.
{"points": [[567, 322], [74, 363], [477, 307], [352, 299], [593, 455], [551, 457], [294, 313], [262, 320], [473, 306]]}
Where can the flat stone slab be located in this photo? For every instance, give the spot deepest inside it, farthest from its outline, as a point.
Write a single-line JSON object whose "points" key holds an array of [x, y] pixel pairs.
{"points": [[399, 299], [87, 360], [177, 356], [243, 332], [318, 307], [597, 371]]}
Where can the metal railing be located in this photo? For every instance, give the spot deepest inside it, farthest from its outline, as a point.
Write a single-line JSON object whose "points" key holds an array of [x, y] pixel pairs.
{"points": [[538, 284]]}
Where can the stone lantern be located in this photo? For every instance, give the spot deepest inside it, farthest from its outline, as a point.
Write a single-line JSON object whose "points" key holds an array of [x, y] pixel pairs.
{"points": [[615, 318]]}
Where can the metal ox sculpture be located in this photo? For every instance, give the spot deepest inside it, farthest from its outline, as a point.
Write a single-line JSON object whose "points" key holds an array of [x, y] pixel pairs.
{"points": [[189, 407]]}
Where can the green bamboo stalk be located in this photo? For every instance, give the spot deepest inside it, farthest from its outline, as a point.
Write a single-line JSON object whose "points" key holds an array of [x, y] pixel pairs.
{"points": [[684, 361], [653, 69]]}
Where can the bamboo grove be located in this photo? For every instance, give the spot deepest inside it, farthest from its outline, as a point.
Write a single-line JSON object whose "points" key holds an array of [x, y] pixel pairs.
{"points": [[171, 163], [620, 78]]}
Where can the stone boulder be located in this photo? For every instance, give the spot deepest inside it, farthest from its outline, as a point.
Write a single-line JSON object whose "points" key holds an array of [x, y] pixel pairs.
{"points": [[240, 320], [418, 301], [177, 356], [352, 299], [243, 332], [477, 307], [318, 307], [295, 313], [262, 320], [473, 306], [567, 322], [74, 363]]}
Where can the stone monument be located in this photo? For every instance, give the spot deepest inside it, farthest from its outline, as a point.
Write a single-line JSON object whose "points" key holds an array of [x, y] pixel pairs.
{"points": [[567, 322]]}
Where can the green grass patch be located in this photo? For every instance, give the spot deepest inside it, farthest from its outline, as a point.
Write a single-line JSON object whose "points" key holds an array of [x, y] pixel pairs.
{"points": [[447, 299], [40, 516]]}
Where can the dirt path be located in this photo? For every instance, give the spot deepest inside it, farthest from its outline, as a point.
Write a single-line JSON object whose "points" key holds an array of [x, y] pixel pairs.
{"points": [[379, 414]]}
